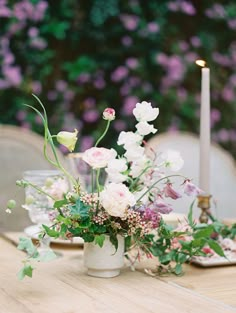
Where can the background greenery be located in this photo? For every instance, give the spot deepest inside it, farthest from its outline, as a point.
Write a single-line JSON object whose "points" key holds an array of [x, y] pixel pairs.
{"points": [[79, 57]]}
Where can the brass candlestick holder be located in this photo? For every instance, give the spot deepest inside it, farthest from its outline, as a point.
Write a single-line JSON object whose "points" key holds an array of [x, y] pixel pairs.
{"points": [[204, 205]]}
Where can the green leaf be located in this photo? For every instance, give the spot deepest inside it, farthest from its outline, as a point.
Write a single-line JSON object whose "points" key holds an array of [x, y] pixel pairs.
{"points": [[47, 256], [60, 203], [27, 270], [178, 269], [99, 240], [190, 215], [204, 232], [114, 240], [27, 245], [51, 232], [80, 208], [216, 247]]}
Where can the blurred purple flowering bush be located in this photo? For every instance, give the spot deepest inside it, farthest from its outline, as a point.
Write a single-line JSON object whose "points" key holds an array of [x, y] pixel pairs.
{"points": [[82, 56]]}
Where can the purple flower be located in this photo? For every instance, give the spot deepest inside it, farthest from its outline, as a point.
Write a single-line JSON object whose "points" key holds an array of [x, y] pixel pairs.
{"points": [[195, 41], [33, 32], [130, 22], [12, 75], [223, 135], [127, 41], [83, 78], [119, 74], [187, 8], [36, 87], [99, 83], [4, 84], [160, 206], [173, 6], [190, 189], [215, 116], [125, 90], [89, 103], [91, 116], [8, 58], [183, 45], [38, 43], [4, 11], [153, 27], [86, 142], [169, 192], [21, 115], [152, 216], [129, 105], [228, 94], [232, 24], [61, 85], [119, 125], [132, 63]]}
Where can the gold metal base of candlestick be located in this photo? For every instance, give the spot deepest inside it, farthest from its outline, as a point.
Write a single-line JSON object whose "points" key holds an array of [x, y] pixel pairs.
{"points": [[204, 205]]}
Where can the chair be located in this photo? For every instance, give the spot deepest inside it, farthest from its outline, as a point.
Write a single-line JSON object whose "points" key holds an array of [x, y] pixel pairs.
{"points": [[222, 171], [21, 150]]}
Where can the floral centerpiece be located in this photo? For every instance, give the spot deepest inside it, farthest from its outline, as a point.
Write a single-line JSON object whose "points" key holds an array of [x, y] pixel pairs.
{"points": [[132, 201]]}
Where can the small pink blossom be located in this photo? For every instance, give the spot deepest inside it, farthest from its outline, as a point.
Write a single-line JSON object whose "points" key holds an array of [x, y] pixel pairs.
{"points": [[169, 192], [109, 114]]}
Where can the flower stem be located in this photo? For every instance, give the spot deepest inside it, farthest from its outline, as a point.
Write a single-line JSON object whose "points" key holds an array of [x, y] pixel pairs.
{"points": [[156, 182], [104, 133]]}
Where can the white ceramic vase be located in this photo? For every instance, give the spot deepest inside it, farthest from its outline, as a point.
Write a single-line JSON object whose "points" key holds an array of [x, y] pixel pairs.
{"points": [[104, 262]]}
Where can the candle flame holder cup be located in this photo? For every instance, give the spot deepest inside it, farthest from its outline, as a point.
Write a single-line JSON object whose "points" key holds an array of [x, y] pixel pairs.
{"points": [[204, 205]]}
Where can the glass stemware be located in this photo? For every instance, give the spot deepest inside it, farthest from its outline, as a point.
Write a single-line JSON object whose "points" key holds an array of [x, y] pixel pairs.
{"points": [[84, 173], [44, 187]]}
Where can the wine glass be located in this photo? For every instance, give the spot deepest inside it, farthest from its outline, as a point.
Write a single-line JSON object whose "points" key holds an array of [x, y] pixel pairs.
{"points": [[42, 183]]}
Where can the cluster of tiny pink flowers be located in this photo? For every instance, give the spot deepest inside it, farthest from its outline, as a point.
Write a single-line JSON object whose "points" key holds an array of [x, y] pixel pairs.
{"points": [[136, 223], [100, 217], [90, 199]]}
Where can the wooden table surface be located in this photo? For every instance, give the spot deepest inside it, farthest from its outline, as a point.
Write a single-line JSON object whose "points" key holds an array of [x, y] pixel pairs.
{"points": [[62, 286]]}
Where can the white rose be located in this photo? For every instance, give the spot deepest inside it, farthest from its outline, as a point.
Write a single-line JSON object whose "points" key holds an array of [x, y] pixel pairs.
{"points": [[129, 138], [98, 157], [144, 112], [173, 160], [144, 128], [116, 198]]}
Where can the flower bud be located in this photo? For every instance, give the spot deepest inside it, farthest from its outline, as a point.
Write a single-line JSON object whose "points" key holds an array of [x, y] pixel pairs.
{"points": [[109, 114], [68, 139], [11, 204], [22, 183]]}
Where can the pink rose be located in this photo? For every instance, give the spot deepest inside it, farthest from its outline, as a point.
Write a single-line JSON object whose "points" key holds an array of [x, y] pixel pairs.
{"points": [[98, 157]]}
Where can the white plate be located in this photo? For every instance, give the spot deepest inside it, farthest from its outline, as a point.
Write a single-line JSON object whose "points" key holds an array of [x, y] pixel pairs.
{"points": [[33, 232], [215, 260]]}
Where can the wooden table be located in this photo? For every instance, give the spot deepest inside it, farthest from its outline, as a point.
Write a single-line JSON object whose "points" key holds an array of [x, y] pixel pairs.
{"points": [[62, 286]]}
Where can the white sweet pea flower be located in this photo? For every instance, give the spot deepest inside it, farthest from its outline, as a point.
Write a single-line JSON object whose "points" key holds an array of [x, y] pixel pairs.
{"points": [[144, 112], [173, 160], [138, 166], [116, 198], [134, 153], [129, 138], [144, 128], [98, 157], [114, 169], [118, 165]]}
